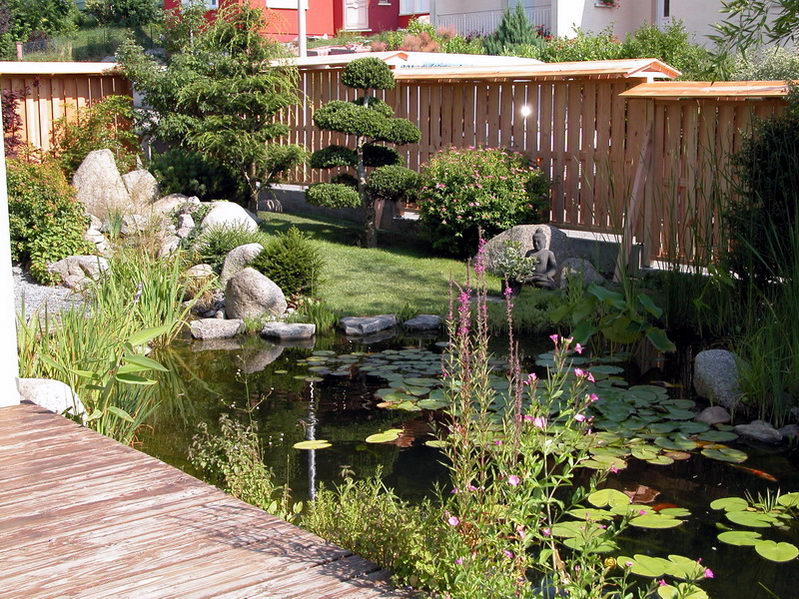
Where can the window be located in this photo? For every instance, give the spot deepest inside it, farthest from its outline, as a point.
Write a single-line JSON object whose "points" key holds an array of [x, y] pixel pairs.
{"points": [[414, 7], [282, 4], [666, 9]]}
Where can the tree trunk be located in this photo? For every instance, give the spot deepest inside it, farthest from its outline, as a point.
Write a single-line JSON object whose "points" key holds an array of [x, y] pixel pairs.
{"points": [[367, 204], [255, 189]]}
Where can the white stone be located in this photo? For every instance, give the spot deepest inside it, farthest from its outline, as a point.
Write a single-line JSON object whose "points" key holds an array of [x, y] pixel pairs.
{"points": [[172, 202], [250, 294], [76, 271], [790, 431], [259, 360], [50, 394], [366, 325], [237, 259], [228, 215], [423, 322], [199, 271], [215, 328], [169, 246], [142, 187], [185, 221], [288, 330], [716, 377], [133, 223], [100, 187]]}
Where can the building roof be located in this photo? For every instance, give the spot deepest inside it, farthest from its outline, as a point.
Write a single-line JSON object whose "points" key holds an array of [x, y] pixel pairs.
{"points": [[733, 90], [56, 68]]}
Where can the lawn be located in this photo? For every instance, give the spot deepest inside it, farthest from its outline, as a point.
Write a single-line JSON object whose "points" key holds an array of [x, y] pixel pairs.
{"points": [[402, 274]]}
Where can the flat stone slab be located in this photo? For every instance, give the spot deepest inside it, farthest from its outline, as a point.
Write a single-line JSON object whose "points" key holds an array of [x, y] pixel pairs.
{"points": [[759, 430], [288, 330], [423, 322], [366, 325], [51, 395], [215, 328]]}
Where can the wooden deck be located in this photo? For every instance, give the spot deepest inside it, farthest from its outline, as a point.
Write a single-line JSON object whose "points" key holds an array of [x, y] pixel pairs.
{"points": [[84, 516]]}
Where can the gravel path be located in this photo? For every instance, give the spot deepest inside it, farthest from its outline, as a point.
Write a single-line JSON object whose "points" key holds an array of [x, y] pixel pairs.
{"points": [[41, 298]]}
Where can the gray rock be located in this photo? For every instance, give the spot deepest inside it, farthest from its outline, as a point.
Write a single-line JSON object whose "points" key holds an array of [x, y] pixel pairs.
{"points": [[172, 202], [249, 294], [228, 215], [186, 221], [759, 430], [790, 431], [96, 238], [578, 268], [183, 233], [52, 395], [714, 415], [366, 325], [142, 187], [237, 259], [423, 322], [716, 377], [214, 328], [259, 360], [169, 246], [557, 241], [288, 330], [77, 271], [95, 223], [100, 187], [200, 271], [133, 223]]}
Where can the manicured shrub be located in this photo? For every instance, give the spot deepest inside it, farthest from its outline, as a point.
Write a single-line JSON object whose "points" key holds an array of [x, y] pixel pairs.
{"points": [[47, 221], [464, 191], [392, 182], [215, 244], [338, 194], [292, 261], [104, 125], [182, 171], [368, 73]]}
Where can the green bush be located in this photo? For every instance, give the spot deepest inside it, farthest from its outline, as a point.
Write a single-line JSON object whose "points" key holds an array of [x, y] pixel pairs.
{"points": [[391, 182], [333, 156], [292, 261], [215, 244], [377, 155], [47, 221], [673, 45], [182, 171], [762, 215], [368, 73], [104, 125], [339, 194], [464, 191], [514, 30], [772, 64]]}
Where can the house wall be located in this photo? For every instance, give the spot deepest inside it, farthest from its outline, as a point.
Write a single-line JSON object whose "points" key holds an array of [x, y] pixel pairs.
{"points": [[628, 16]]}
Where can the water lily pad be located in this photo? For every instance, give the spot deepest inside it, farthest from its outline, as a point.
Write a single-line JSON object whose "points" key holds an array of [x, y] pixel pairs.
{"points": [[655, 521], [644, 565], [725, 454], [692, 428], [789, 500], [661, 460], [683, 590], [776, 552], [437, 443], [387, 436], [432, 404], [739, 538], [608, 497], [588, 513], [408, 406], [750, 519], [675, 512], [314, 444], [717, 436], [685, 568]]}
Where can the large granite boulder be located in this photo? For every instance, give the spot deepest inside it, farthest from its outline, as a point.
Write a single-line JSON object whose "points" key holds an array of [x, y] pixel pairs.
{"points": [[100, 187], [423, 322], [579, 269], [228, 215], [249, 294], [557, 242], [215, 328], [237, 259], [288, 330], [716, 377], [142, 187], [760, 431], [76, 271], [172, 202], [52, 395], [366, 325]]}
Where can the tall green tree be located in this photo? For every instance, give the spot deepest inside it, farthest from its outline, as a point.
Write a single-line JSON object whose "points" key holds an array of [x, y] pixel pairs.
{"points": [[221, 94], [372, 123], [514, 30], [130, 13]]}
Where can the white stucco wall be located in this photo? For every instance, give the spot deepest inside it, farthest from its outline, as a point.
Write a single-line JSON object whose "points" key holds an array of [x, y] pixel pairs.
{"points": [[698, 16], [628, 16]]}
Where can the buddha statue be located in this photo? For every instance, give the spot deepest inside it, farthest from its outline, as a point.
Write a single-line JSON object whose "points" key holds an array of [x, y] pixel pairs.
{"points": [[545, 264]]}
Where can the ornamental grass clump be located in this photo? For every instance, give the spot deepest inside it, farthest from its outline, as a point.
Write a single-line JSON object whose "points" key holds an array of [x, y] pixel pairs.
{"points": [[372, 123], [464, 191]]}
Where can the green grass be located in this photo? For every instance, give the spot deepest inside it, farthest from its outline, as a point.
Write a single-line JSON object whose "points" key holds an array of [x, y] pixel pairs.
{"points": [[374, 281]]}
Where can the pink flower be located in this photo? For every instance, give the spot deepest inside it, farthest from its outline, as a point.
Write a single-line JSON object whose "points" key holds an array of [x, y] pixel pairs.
{"points": [[642, 512], [453, 521], [554, 338], [614, 469], [593, 397], [590, 377], [546, 532], [471, 488], [531, 378], [497, 442], [508, 554], [709, 573], [540, 422], [579, 372], [520, 531], [578, 348], [508, 292], [662, 583], [579, 417], [459, 561], [629, 564], [514, 480]]}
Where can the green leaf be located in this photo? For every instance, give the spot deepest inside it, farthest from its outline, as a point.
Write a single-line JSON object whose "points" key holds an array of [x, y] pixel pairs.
{"points": [[649, 305], [789, 500], [776, 552], [583, 332], [683, 590], [608, 497], [128, 368], [751, 519], [437, 443], [655, 521], [387, 436], [739, 538], [643, 565], [726, 454], [147, 335], [120, 413], [145, 362], [730, 504], [603, 293], [314, 444], [658, 338], [133, 379]]}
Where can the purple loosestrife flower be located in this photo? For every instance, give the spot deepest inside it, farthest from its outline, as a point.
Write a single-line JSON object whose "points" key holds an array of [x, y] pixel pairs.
{"points": [[540, 422], [547, 532], [453, 521], [578, 348], [579, 417], [514, 481], [709, 573]]}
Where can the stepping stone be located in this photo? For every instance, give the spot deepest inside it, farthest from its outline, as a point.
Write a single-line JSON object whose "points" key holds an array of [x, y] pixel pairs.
{"points": [[365, 325], [423, 322], [288, 330], [713, 415], [215, 328]]}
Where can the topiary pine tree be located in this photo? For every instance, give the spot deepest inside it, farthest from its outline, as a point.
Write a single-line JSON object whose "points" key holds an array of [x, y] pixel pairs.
{"points": [[515, 29], [371, 121]]}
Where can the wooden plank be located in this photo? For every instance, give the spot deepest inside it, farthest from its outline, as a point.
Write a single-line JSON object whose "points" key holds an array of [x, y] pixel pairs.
{"points": [[559, 156], [587, 179], [507, 113], [104, 520], [573, 125], [602, 159], [493, 116]]}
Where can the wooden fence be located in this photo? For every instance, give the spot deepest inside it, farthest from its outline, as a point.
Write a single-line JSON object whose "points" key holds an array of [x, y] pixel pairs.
{"points": [[57, 90], [595, 133]]}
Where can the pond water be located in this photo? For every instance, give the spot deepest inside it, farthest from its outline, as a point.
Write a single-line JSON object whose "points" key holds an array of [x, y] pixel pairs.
{"points": [[335, 400]]}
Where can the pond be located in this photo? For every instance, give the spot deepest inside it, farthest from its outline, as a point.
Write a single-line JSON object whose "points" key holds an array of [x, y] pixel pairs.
{"points": [[332, 389]]}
